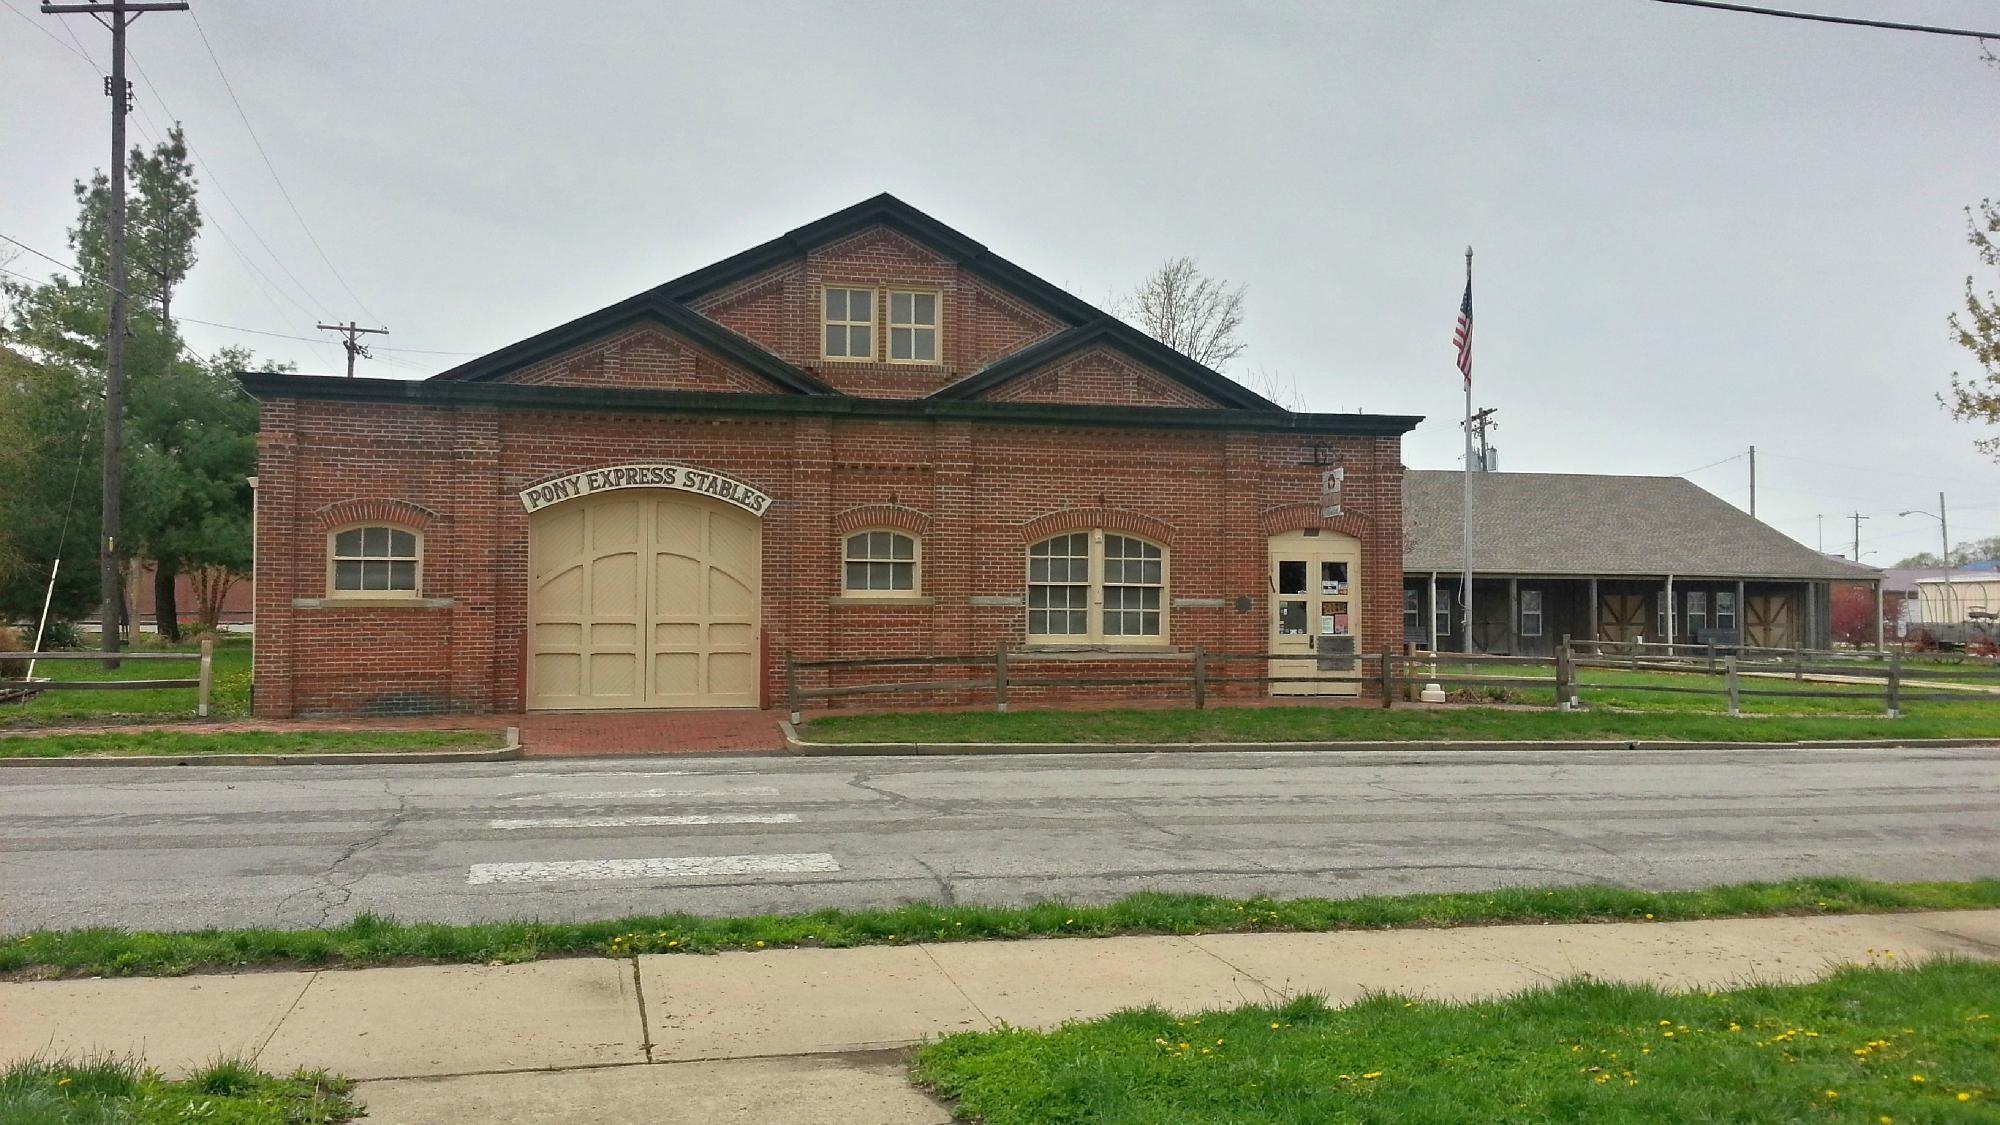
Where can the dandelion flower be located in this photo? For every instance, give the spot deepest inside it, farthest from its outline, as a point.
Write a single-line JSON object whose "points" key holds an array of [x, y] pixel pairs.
{"points": [[1373, 1074], [1917, 1078]]}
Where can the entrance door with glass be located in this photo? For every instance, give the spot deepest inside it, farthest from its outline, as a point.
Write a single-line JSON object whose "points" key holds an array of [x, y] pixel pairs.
{"points": [[1316, 612]]}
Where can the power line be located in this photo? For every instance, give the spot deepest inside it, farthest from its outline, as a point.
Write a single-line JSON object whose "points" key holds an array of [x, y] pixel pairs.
{"points": [[273, 168], [1851, 21], [37, 25], [1712, 465]]}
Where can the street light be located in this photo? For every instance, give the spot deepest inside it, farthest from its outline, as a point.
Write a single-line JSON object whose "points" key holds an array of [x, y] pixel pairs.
{"points": [[1945, 592]]}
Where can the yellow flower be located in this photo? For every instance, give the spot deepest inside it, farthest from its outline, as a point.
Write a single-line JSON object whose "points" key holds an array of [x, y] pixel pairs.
{"points": [[1963, 1096], [1735, 1027], [1833, 1093], [1373, 1074], [673, 943], [760, 945], [1649, 917], [1918, 1078], [1666, 1023], [1274, 1027], [63, 1081]]}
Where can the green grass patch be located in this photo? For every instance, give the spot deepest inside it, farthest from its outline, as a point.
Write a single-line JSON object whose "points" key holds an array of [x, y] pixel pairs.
{"points": [[1866, 1045], [230, 696], [112, 1091], [172, 743], [1369, 724], [372, 940]]}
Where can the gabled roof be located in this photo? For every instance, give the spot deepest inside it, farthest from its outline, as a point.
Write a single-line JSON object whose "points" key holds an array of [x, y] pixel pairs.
{"points": [[668, 303], [1580, 525], [644, 308]]}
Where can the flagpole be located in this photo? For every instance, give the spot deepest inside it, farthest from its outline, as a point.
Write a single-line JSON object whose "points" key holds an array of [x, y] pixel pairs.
{"points": [[1465, 503]]}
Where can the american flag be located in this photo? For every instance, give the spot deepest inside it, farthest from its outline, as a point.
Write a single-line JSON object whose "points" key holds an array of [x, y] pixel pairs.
{"points": [[1462, 335]]}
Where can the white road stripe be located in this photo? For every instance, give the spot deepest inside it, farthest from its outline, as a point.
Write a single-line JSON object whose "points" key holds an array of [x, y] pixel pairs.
{"points": [[651, 794], [604, 773], [663, 868], [646, 821]]}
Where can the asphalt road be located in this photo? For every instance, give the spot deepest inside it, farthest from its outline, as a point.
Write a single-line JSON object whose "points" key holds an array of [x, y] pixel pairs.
{"points": [[303, 846]]}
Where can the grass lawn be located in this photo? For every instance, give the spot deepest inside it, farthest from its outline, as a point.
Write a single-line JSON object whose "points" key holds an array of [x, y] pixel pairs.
{"points": [[372, 940], [1866, 1045], [230, 698], [107, 1091], [178, 742], [1363, 724]]}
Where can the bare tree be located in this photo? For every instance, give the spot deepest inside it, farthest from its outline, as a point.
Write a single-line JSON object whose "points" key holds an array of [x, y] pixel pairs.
{"points": [[1281, 389], [1191, 312]]}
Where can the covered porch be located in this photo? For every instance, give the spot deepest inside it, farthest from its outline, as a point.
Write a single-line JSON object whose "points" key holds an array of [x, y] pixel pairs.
{"points": [[1529, 614]]}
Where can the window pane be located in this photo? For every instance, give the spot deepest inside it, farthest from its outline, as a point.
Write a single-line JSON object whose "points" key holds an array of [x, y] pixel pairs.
{"points": [[403, 576], [1076, 625], [861, 305], [899, 308], [858, 344], [899, 344], [1038, 570], [348, 542], [857, 546], [347, 576], [878, 544], [902, 547], [926, 344], [374, 575], [857, 576], [375, 542], [1291, 577], [836, 304], [1149, 571], [1531, 601], [836, 340], [926, 312], [1038, 622], [904, 576]]}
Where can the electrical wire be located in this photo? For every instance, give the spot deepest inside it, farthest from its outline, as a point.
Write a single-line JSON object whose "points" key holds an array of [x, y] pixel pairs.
{"points": [[1713, 464], [1851, 21]]}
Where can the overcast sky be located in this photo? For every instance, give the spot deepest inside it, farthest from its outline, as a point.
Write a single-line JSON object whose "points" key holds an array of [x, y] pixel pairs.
{"points": [[1696, 231]]}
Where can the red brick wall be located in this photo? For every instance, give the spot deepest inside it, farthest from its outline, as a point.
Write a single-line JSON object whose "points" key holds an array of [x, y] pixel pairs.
{"points": [[1213, 498], [1098, 375], [780, 309], [642, 358]]}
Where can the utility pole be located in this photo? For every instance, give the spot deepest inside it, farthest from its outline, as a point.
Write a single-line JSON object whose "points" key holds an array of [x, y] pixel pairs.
{"points": [[1481, 421], [351, 345], [1822, 532], [111, 574], [1753, 482], [1857, 517]]}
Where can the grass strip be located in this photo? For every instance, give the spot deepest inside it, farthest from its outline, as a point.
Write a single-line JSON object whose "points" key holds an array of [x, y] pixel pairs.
{"points": [[101, 1091], [374, 940], [1877, 1045], [176, 742], [1368, 724]]}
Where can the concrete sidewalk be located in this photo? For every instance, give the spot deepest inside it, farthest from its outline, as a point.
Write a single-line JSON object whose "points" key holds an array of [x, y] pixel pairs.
{"points": [[814, 1036]]}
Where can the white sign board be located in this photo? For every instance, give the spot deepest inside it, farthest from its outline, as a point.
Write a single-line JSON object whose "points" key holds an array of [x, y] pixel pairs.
{"points": [[645, 474]]}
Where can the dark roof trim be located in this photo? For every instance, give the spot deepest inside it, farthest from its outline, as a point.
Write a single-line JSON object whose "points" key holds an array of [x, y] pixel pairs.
{"points": [[268, 386], [645, 307], [1419, 574], [1123, 338]]}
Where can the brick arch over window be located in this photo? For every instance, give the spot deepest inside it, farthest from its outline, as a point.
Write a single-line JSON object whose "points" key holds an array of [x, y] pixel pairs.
{"points": [[883, 515], [1296, 517], [1110, 519], [401, 513]]}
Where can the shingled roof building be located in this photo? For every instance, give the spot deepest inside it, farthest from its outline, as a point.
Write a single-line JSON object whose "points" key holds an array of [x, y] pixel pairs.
{"points": [[869, 436], [1606, 557]]}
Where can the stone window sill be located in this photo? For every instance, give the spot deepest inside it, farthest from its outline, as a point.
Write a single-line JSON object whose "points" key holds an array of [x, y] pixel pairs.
{"points": [[851, 600], [373, 603]]}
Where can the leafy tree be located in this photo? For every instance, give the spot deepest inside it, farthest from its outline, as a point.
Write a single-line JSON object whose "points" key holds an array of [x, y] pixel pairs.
{"points": [[1964, 554], [1976, 327], [1191, 312]]}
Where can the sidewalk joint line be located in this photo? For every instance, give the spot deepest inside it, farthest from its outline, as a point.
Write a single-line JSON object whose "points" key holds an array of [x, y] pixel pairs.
{"points": [[645, 1027], [1260, 982], [956, 987], [279, 1024]]}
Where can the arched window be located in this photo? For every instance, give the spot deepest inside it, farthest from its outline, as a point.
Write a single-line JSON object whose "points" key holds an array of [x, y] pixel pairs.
{"points": [[1094, 586], [880, 564], [374, 560]]}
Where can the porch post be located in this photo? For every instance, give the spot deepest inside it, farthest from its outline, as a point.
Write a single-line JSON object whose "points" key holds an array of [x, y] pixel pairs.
{"points": [[1812, 616], [1742, 615], [1670, 613], [1595, 636], [1431, 611], [1513, 616], [1878, 615], [1465, 641]]}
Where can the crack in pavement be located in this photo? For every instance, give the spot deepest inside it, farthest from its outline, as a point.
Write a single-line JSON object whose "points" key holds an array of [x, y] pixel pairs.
{"points": [[327, 887], [945, 890]]}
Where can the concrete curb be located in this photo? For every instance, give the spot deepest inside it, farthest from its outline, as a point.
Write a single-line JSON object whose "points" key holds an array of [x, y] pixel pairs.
{"points": [[797, 745], [509, 752]]}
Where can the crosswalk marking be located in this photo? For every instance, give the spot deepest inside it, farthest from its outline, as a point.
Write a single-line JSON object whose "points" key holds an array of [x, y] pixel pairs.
{"points": [[548, 775], [666, 867], [653, 794], [645, 821]]}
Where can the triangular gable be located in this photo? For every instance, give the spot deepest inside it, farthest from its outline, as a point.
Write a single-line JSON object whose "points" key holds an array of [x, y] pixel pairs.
{"points": [[643, 356], [725, 351], [1161, 376]]}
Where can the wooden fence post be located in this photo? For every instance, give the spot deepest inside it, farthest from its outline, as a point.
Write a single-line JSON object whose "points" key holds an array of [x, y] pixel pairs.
{"points": [[206, 676], [1200, 677], [792, 687], [1388, 680], [1895, 693], [1000, 678], [1711, 658], [1729, 686], [1798, 661], [1562, 674]]}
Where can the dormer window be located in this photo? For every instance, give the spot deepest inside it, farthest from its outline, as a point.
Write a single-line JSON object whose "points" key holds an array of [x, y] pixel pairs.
{"points": [[913, 326], [848, 317]]}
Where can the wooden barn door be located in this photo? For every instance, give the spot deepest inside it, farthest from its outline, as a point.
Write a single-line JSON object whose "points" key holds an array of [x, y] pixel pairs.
{"points": [[1622, 618], [1767, 621]]}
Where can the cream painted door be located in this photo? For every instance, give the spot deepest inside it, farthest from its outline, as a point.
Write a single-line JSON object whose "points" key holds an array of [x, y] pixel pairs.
{"points": [[1315, 584], [643, 599]]}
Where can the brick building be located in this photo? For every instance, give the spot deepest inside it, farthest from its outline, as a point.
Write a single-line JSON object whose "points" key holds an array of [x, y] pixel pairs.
{"points": [[869, 436]]}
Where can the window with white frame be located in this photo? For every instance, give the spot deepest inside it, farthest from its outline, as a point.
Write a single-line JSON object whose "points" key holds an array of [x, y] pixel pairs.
{"points": [[913, 326], [1531, 613], [1441, 609], [1663, 605], [1697, 618], [848, 320], [1725, 611], [375, 559], [880, 564], [1093, 586], [1413, 611]]}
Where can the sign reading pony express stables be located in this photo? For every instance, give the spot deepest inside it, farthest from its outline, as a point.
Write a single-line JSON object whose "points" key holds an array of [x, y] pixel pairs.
{"points": [[649, 474]]}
